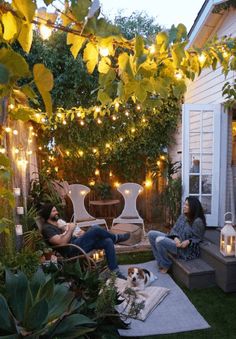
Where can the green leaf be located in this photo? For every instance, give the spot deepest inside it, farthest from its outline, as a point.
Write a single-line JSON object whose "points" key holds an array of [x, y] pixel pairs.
{"points": [[25, 37], [76, 42], [178, 54], [6, 194], [10, 25], [4, 75], [80, 9], [125, 64], [37, 315], [28, 91], [90, 56], [6, 320], [14, 62], [46, 291], [16, 287], [26, 7], [103, 97], [72, 322], [181, 32]]}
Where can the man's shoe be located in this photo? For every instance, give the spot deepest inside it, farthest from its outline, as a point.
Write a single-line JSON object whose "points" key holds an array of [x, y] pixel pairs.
{"points": [[122, 237], [119, 274]]}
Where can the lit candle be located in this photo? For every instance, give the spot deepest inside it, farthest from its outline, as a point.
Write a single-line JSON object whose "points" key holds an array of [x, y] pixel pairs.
{"points": [[16, 191], [20, 210], [228, 248], [19, 229]]}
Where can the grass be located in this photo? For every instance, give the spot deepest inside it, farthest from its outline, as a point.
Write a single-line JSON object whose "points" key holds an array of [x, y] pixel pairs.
{"points": [[217, 307]]}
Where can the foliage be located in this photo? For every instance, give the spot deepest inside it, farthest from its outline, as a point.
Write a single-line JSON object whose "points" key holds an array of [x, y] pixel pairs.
{"points": [[103, 190], [27, 220], [224, 6], [38, 307], [137, 23], [26, 261], [171, 196], [229, 92]]}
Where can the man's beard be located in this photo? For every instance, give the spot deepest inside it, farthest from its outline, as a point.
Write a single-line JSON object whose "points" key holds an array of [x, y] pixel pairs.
{"points": [[55, 218]]}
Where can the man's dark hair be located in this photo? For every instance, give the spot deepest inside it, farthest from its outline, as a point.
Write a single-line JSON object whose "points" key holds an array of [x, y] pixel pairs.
{"points": [[46, 211]]}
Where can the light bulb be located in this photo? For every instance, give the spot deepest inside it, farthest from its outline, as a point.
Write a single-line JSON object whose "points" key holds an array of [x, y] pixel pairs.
{"points": [[82, 123], [152, 49], [202, 58], [15, 132], [148, 183], [178, 75], [99, 121], [45, 31], [104, 51], [8, 129], [97, 172]]}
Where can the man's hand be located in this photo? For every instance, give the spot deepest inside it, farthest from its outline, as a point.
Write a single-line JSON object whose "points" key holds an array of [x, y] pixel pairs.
{"points": [[79, 233], [184, 243]]}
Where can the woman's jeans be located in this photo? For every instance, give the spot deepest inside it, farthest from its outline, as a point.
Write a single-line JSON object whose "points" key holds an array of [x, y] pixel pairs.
{"points": [[98, 238], [161, 245]]}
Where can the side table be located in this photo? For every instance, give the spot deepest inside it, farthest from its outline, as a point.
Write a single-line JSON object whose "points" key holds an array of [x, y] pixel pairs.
{"points": [[105, 209]]}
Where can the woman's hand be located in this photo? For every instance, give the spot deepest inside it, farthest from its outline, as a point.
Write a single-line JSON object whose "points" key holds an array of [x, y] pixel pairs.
{"points": [[184, 244], [177, 242]]}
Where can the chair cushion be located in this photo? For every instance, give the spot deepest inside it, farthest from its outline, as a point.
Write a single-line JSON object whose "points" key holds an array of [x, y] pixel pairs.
{"points": [[129, 217], [85, 219]]}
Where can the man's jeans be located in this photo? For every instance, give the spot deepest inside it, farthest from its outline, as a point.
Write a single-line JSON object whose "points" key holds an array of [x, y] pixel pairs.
{"points": [[161, 245], [98, 238]]}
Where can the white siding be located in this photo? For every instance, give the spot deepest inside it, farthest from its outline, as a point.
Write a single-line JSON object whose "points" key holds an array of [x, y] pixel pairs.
{"points": [[207, 88]]}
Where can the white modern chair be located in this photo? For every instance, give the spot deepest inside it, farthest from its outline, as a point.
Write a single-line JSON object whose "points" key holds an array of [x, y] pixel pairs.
{"points": [[129, 215], [77, 194]]}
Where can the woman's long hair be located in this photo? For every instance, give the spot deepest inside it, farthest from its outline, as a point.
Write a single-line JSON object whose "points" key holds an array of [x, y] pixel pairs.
{"points": [[195, 210]]}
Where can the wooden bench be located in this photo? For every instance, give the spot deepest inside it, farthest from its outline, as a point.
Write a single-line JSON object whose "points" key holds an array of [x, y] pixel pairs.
{"points": [[194, 273]]}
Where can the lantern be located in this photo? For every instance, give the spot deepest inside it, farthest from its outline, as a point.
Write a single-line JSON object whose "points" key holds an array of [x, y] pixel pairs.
{"points": [[227, 238]]}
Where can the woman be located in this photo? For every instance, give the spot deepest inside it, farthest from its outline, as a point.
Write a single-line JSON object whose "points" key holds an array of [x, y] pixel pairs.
{"points": [[183, 239]]}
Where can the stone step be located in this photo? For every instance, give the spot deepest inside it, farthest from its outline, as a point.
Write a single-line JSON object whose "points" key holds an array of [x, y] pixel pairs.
{"points": [[194, 273], [225, 267]]}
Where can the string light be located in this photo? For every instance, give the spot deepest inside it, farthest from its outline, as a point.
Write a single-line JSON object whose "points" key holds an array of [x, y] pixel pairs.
{"points": [[152, 49], [81, 153], [11, 106], [162, 157], [8, 129], [82, 122], [121, 139], [178, 75], [117, 105], [110, 174], [22, 163], [108, 145], [92, 183], [148, 183], [56, 169], [116, 184], [64, 122], [43, 120], [97, 109], [97, 172], [30, 141], [133, 130], [138, 107], [104, 51], [78, 114], [114, 117], [95, 150], [158, 163], [40, 148], [2, 150], [29, 152], [45, 31], [59, 115], [16, 150], [99, 121], [15, 132], [67, 153], [144, 120], [202, 58], [31, 128], [127, 113]]}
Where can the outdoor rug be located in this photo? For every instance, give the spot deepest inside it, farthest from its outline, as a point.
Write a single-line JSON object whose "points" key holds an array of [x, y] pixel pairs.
{"points": [[174, 314]]}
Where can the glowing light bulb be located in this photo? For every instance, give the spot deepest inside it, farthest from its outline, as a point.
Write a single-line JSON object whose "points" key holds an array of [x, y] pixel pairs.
{"points": [[162, 157], [43, 120], [114, 118], [110, 174], [92, 183], [40, 148], [158, 163], [15, 132], [225, 54], [178, 75], [8, 129], [148, 183], [67, 153], [64, 122], [121, 139], [30, 141], [97, 172], [99, 121], [11, 106], [78, 114], [108, 145], [31, 128], [116, 184], [97, 109], [45, 31], [138, 107], [59, 115], [83, 192], [104, 51], [16, 150], [2, 150], [133, 130], [127, 192], [95, 150], [144, 120], [152, 49], [56, 169], [29, 152], [202, 58], [81, 153], [127, 113], [117, 105], [82, 123]]}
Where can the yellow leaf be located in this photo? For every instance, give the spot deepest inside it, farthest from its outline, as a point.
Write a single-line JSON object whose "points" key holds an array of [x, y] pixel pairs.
{"points": [[44, 81], [10, 26], [43, 78], [26, 36], [47, 101], [104, 65], [90, 57], [26, 8], [76, 42]]}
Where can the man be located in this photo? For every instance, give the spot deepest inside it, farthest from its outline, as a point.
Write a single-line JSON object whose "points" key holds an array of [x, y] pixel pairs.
{"points": [[95, 238]]}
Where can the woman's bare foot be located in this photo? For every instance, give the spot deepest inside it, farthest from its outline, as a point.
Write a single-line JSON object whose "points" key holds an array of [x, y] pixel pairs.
{"points": [[163, 270]]}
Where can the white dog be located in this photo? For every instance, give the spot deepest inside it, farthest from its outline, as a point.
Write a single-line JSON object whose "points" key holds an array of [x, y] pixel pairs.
{"points": [[139, 278]]}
